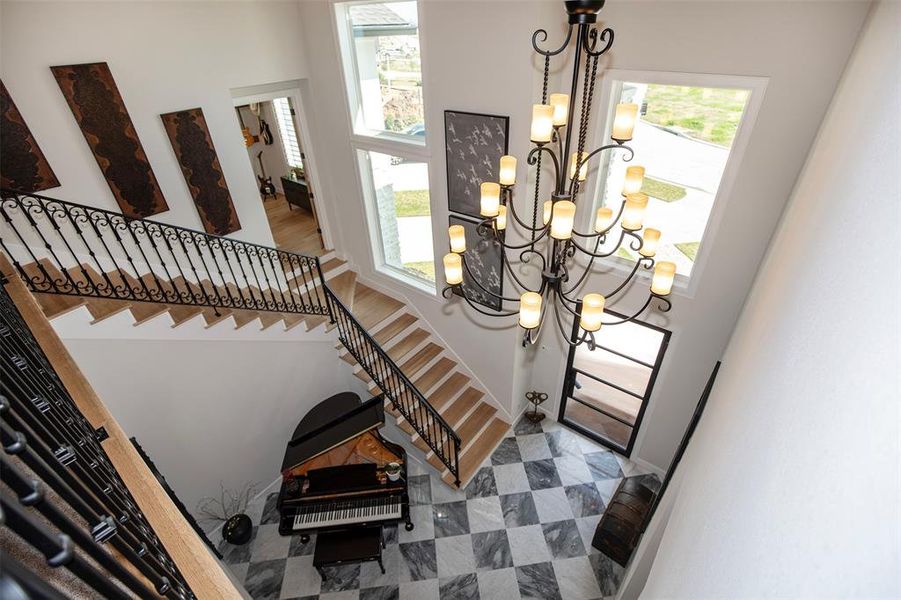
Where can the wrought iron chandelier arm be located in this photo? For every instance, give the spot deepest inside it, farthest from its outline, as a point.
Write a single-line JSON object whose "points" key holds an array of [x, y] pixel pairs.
{"points": [[612, 224], [622, 285], [479, 285], [543, 34], [512, 212], [448, 291], [587, 252], [584, 161], [532, 158], [585, 273], [606, 36], [578, 338], [665, 306], [544, 232], [506, 263]]}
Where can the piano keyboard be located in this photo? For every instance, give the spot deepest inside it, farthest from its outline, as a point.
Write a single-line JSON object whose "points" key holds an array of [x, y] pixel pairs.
{"points": [[347, 512]]}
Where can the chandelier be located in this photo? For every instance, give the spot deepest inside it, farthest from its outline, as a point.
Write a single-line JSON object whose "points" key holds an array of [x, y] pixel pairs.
{"points": [[553, 245]]}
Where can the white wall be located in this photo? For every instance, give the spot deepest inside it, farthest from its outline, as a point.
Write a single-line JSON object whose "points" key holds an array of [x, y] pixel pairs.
{"points": [[790, 487], [164, 56], [211, 410], [477, 56]]}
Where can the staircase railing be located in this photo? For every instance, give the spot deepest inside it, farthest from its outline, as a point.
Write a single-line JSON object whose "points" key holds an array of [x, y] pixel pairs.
{"points": [[61, 247], [85, 251], [397, 387], [48, 443]]}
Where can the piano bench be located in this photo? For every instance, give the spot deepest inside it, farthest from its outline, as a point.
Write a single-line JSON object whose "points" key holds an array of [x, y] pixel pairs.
{"points": [[352, 545]]}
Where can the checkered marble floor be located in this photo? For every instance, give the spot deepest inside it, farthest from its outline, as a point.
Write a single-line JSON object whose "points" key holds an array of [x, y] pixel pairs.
{"points": [[522, 528]]}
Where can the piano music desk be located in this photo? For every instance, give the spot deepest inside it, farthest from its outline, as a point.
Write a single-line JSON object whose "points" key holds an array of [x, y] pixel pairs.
{"points": [[348, 546]]}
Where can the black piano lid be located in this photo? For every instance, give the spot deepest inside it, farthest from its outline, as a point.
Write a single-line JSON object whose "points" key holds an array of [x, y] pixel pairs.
{"points": [[331, 423]]}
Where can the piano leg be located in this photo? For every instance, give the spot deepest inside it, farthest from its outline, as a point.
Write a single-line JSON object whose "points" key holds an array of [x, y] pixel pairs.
{"points": [[409, 525], [381, 566]]}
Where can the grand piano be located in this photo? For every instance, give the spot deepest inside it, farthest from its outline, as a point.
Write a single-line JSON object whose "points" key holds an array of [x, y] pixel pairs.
{"points": [[333, 473]]}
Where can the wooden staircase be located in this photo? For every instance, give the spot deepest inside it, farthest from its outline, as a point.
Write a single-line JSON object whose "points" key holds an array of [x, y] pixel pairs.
{"points": [[409, 343]]}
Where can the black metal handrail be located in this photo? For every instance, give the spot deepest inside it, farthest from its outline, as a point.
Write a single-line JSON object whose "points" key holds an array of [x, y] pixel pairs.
{"points": [[85, 251], [48, 444], [397, 387], [79, 250]]}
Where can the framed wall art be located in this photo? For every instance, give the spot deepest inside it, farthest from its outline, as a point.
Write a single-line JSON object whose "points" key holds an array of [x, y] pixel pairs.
{"points": [[23, 167], [190, 138], [484, 258], [474, 144], [106, 125]]}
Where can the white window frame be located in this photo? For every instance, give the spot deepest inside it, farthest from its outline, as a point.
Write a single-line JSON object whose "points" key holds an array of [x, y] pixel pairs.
{"points": [[413, 148], [611, 88], [351, 71], [284, 132]]}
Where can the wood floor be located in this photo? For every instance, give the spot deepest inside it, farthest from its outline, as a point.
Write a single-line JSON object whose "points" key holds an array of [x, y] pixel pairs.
{"points": [[293, 229]]}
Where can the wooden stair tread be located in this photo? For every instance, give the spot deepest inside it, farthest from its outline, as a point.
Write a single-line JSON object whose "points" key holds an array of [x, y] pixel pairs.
{"points": [[344, 286], [475, 422], [180, 314], [243, 317], [424, 356], [268, 319], [331, 264], [454, 413], [433, 375], [389, 331], [211, 318], [142, 312], [476, 453], [448, 390], [372, 307], [407, 344]]}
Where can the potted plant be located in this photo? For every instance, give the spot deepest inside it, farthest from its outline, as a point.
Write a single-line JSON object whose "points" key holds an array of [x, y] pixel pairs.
{"points": [[230, 507], [392, 470]]}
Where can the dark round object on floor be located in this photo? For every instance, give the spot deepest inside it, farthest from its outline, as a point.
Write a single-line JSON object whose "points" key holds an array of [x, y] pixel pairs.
{"points": [[304, 539], [409, 526], [237, 530]]}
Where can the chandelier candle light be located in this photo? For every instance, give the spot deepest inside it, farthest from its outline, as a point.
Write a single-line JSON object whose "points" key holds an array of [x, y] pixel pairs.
{"points": [[554, 245]]}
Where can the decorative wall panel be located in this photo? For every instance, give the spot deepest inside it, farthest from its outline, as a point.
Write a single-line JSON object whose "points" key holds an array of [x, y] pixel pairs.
{"points": [[474, 144], [98, 107], [23, 167], [194, 149], [484, 256]]}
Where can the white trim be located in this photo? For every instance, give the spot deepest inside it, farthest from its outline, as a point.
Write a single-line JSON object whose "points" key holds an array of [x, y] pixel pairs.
{"points": [[292, 90], [684, 286]]}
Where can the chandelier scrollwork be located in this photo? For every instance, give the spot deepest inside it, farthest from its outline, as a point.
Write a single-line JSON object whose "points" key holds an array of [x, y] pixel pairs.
{"points": [[553, 245]]}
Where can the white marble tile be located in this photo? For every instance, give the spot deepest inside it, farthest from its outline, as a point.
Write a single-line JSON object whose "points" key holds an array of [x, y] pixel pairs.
{"points": [[533, 446], [607, 487], [371, 575], [573, 470], [454, 555], [423, 525], [511, 478], [587, 526], [301, 578], [441, 492], [419, 590], [348, 595], [238, 571], [269, 545], [575, 578], [485, 514], [552, 505], [500, 584], [589, 446], [527, 545]]}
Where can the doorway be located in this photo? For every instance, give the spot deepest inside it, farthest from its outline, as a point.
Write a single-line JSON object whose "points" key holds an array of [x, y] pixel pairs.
{"points": [[606, 390], [273, 135]]}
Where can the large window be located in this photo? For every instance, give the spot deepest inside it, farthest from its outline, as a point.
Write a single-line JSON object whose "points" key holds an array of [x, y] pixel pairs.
{"points": [[606, 390], [383, 67], [383, 76], [399, 195], [684, 139], [287, 128]]}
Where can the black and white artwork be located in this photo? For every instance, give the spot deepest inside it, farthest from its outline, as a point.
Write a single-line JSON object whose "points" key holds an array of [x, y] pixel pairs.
{"points": [[484, 258], [474, 144]]}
